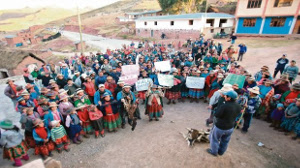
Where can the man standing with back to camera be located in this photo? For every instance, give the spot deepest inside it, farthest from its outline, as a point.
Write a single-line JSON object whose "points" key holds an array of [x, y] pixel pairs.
{"points": [[224, 125]]}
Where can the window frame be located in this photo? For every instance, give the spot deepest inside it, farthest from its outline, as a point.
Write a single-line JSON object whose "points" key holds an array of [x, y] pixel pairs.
{"points": [[277, 22], [145, 23], [155, 23], [282, 3], [249, 22], [172, 23], [254, 4], [191, 22]]}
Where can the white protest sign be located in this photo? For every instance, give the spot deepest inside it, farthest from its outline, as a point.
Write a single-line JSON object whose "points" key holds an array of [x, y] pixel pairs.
{"points": [[163, 66], [195, 82], [129, 79], [143, 84], [165, 80], [130, 70]]}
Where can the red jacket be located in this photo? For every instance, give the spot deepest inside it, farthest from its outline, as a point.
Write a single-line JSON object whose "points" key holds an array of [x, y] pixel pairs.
{"points": [[90, 88]]}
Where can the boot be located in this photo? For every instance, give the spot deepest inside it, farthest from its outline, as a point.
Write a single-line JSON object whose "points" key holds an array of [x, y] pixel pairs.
{"points": [[123, 126], [191, 100], [75, 141], [96, 134], [169, 102], [59, 150], [273, 124], [295, 137], [134, 123], [17, 163], [25, 157], [86, 136], [183, 100], [78, 138], [174, 102], [197, 100]]}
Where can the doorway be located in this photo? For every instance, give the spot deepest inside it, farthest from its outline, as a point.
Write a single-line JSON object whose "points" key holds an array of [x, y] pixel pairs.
{"points": [[297, 26], [152, 33]]}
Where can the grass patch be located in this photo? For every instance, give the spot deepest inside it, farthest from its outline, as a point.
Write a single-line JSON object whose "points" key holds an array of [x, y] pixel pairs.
{"points": [[263, 42]]}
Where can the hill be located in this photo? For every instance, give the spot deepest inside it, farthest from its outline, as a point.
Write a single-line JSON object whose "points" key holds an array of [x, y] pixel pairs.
{"points": [[17, 19]]}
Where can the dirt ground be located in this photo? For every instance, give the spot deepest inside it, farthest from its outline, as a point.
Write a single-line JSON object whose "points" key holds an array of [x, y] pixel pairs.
{"points": [[160, 144]]}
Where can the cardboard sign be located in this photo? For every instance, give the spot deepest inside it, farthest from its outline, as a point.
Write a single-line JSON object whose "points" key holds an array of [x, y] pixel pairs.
{"points": [[165, 80], [143, 84], [130, 70], [195, 82], [235, 79], [129, 79], [163, 66]]}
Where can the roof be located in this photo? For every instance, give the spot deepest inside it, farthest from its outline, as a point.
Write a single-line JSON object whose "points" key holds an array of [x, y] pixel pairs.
{"points": [[188, 16], [142, 13], [10, 36], [10, 59]]}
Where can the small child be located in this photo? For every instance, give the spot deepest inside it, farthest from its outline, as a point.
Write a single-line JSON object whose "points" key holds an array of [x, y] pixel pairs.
{"points": [[59, 136], [74, 124], [96, 120], [15, 148], [44, 146], [85, 119], [277, 116], [26, 120]]}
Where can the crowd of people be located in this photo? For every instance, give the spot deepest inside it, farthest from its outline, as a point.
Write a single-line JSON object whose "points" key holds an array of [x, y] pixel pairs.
{"points": [[83, 95]]}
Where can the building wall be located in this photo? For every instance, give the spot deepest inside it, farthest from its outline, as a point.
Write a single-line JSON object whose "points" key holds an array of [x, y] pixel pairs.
{"points": [[277, 30], [182, 24], [243, 11], [248, 30], [27, 61], [281, 11]]}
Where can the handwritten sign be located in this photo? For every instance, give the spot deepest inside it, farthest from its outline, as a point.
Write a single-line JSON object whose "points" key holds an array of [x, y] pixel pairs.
{"points": [[235, 79], [130, 70], [165, 80], [129, 79], [195, 82], [143, 84], [163, 66]]}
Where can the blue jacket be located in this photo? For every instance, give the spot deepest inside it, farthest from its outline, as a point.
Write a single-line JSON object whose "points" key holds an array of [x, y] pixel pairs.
{"points": [[49, 117], [100, 80], [98, 96], [243, 49], [120, 96], [39, 140]]}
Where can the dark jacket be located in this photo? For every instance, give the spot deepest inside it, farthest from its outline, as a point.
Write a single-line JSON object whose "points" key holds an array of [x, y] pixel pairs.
{"points": [[226, 115]]}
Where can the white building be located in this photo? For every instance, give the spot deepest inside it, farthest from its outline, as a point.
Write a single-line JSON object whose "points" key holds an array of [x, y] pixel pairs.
{"points": [[135, 15], [177, 26]]}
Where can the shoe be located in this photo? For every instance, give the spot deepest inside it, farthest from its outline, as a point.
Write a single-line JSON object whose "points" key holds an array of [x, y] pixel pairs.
{"points": [[67, 150], [50, 155], [286, 133], [77, 142], [123, 126], [210, 152], [220, 153], [59, 151], [86, 136], [156, 119], [243, 131], [139, 118], [102, 135], [169, 102], [150, 120], [197, 101], [26, 157], [294, 138], [174, 102], [191, 101], [205, 101]]}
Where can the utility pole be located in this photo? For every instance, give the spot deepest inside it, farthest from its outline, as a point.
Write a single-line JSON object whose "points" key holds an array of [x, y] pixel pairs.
{"points": [[80, 31]]}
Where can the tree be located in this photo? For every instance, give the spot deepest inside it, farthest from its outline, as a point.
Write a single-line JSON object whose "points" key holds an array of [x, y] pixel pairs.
{"points": [[165, 4]]}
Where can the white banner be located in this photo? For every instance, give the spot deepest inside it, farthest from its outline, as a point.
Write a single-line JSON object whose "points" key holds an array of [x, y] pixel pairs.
{"points": [[165, 80], [130, 70], [195, 82], [163, 66], [143, 84], [129, 79]]}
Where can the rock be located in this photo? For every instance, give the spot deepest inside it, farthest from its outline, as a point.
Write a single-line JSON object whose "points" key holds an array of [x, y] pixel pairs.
{"points": [[80, 161]]}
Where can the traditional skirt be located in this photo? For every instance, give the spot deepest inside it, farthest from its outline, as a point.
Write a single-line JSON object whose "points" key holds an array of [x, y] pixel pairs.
{"points": [[112, 122], [142, 95], [297, 127], [196, 93], [15, 152], [44, 149], [87, 127], [73, 130], [61, 142], [289, 123], [172, 95], [184, 94], [211, 93], [97, 124], [154, 110], [29, 139]]}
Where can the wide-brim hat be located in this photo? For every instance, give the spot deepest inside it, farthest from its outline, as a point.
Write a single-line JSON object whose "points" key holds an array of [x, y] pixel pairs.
{"points": [[54, 123], [80, 106], [296, 86], [25, 93], [45, 107], [6, 124], [268, 82], [226, 87], [37, 122], [101, 85], [106, 94], [44, 90], [109, 77], [126, 86], [51, 93], [8, 80], [62, 91], [254, 90], [52, 81], [20, 99], [52, 104], [120, 82], [220, 76], [78, 90], [28, 86], [69, 110], [29, 109], [284, 77], [62, 97]]}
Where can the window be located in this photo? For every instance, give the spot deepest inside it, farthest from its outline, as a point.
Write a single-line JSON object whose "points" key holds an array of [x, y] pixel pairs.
{"points": [[172, 23], [155, 23], [145, 23], [283, 3], [249, 22], [191, 22], [212, 30], [277, 22], [211, 22], [254, 3], [138, 31]]}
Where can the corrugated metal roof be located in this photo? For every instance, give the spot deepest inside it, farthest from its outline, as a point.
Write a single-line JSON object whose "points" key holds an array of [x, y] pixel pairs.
{"points": [[188, 16], [142, 13]]}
